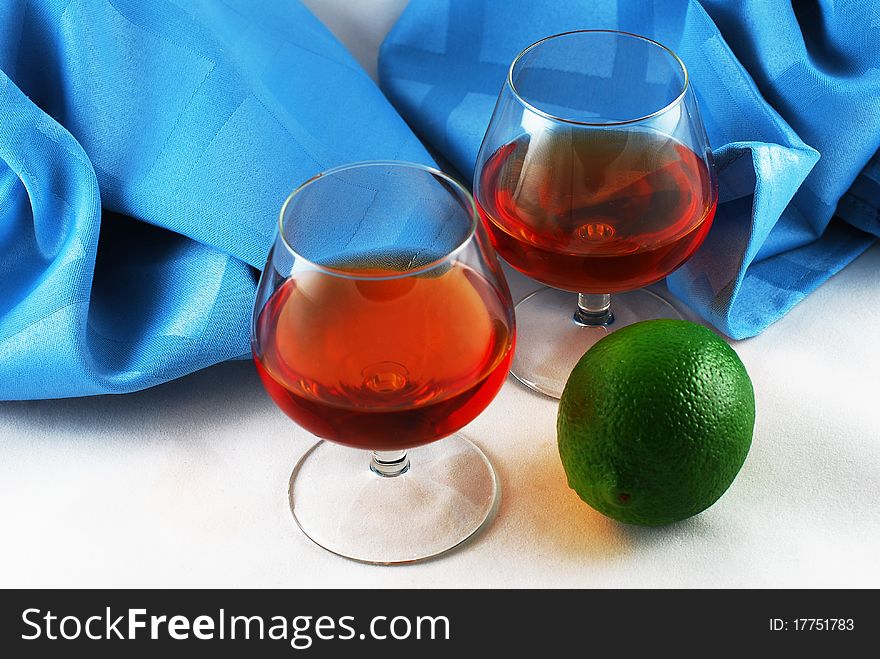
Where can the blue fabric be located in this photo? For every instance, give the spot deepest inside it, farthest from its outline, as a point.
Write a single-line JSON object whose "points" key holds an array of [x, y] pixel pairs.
{"points": [[145, 151], [789, 91]]}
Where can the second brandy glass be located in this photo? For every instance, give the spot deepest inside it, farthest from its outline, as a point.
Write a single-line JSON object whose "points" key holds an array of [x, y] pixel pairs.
{"points": [[595, 177], [383, 322]]}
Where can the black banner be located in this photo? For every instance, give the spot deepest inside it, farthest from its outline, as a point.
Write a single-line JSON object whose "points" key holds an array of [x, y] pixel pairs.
{"points": [[317, 623]]}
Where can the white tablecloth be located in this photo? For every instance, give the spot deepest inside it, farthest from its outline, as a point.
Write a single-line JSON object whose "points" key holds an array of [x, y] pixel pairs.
{"points": [[184, 485]]}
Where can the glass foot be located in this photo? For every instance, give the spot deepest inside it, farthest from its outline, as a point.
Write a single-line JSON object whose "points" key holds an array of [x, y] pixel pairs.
{"points": [[549, 342], [448, 494]]}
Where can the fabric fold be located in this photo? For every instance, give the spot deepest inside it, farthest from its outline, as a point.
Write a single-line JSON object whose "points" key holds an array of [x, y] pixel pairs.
{"points": [[145, 152], [790, 98]]}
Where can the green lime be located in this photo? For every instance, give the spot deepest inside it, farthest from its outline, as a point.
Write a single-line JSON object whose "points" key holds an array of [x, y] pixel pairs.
{"points": [[655, 422]]}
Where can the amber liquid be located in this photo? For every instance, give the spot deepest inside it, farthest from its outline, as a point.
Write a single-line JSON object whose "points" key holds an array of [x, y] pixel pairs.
{"points": [[596, 211], [384, 364]]}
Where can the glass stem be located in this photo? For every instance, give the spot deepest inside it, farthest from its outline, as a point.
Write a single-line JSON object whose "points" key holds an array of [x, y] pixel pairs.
{"points": [[593, 309], [389, 463]]}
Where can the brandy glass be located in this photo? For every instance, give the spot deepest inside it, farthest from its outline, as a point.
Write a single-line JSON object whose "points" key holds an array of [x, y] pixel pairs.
{"points": [[595, 177], [382, 324]]}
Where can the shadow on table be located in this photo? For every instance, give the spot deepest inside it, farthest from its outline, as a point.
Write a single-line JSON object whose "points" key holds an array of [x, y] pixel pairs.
{"points": [[223, 392], [553, 521], [572, 530]]}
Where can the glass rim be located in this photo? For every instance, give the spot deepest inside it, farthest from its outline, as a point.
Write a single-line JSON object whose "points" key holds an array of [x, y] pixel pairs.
{"points": [[456, 186], [548, 115]]}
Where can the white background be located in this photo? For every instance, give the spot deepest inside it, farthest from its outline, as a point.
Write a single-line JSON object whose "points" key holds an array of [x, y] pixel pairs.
{"points": [[184, 484]]}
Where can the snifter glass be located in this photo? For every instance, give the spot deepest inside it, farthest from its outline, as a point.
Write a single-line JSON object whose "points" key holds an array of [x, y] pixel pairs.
{"points": [[382, 324], [595, 177]]}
